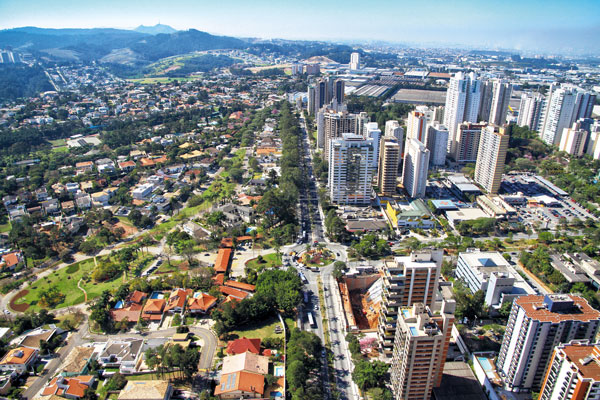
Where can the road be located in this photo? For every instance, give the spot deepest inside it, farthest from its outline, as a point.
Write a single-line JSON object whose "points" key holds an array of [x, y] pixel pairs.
{"points": [[311, 221], [82, 336]]}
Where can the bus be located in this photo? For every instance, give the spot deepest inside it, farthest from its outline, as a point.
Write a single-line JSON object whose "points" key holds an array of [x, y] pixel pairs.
{"points": [[306, 297], [311, 320]]}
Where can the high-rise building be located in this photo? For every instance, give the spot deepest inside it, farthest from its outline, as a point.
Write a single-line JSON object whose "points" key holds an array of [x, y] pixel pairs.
{"points": [[462, 102], [389, 158], [573, 140], [339, 86], [493, 144], [415, 168], [536, 324], [501, 92], [311, 100], [485, 104], [563, 107], [466, 144], [331, 123], [530, 110], [354, 61], [407, 280], [420, 349], [312, 69], [437, 143], [573, 373], [351, 169], [593, 144], [393, 128], [372, 131], [297, 69], [416, 126]]}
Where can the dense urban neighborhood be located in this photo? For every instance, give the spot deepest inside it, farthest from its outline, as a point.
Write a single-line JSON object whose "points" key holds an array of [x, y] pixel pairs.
{"points": [[301, 220]]}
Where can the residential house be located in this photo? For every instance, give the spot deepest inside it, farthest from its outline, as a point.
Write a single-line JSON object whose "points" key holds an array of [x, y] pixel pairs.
{"points": [[41, 194], [241, 385], [78, 361], [51, 206], [33, 338], [153, 310], [69, 388], [127, 166], [10, 260], [246, 362], [223, 259], [195, 230], [100, 199], [246, 287], [68, 207], [19, 360], [84, 167], [201, 303], [72, 187], [229, 291], [123, 354], [146, 390], [105, 166], [236, 214], [176, 301], [83, 201], [243, 345], [142, 191]]}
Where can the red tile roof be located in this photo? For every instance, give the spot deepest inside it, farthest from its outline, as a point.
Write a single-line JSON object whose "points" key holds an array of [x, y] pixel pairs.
{"points": [[176, 299], [137, 297], [241, 285], [218, 278], [121, 314], [75, 386], [233, 292], [154, 306], [533, 307], [223, 258], [203, 302], [239, 346]]}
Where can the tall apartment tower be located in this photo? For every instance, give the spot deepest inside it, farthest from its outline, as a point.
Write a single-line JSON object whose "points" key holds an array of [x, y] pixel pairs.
{"points": [[573, 140], [573, 373], [310, 94], [530, 110], [437, 143], [415, 168], [372, 131], [339, 86], [351, 168], [406, 281], [593, 144], [491, 156], [354, 61], [389, 159], [535, 326], [559, 114], [466, 144], [485, 103], [462, 102], [331, 124], [416, 126], [393, 128], [501, 92], [420, 350]]}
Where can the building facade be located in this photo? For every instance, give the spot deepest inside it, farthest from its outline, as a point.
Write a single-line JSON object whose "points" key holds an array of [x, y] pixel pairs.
{"points": [[530, 110], [462, 102], [535, 326], [437, 143], [491, 156], [389, 158], [415, 168]]}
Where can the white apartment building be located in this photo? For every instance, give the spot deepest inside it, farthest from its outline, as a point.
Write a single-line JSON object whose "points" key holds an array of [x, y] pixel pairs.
{"points": [[437, 143], [493, 144], [415, 168]]}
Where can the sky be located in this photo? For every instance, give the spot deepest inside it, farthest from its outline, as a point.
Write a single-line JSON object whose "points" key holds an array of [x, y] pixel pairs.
{"points": [[544, 25]]}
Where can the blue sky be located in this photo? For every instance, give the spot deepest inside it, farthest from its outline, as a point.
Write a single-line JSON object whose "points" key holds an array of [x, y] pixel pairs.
{"points": [[520, 24]]}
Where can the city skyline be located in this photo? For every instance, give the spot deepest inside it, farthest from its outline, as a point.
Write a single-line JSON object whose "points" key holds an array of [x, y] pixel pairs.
{"points": [[543, 26]]}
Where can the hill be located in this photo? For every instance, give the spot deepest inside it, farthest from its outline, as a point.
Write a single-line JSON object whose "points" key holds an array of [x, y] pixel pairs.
{"points": [[155, 30]]}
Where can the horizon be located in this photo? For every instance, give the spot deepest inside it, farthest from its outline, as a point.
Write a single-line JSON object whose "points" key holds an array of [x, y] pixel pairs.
{"points": [[535, 26]]}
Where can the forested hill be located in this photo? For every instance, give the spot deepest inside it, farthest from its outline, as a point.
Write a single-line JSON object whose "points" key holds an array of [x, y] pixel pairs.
{"points": [[19, 80]]}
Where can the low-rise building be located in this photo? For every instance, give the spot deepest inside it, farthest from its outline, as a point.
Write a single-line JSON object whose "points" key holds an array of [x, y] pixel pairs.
{"points": [[69, 388], [122, 354], [19, 360]]}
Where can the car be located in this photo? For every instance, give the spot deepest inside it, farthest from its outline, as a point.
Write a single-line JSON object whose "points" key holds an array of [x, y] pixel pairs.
{"points": [[206, 255]]}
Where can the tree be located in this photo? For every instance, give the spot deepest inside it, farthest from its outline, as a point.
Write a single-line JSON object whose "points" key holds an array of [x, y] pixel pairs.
{"points": [[369, 374], [339, 269]]}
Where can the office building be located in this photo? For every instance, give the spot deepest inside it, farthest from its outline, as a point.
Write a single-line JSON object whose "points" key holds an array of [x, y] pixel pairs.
{"points": [[573, 140], [530, 110], [416, 126], [420, 349], [491, 156], [501, 92], [462, 102], [415, 168], [406, 281], [466, 144], [573, 373], [437, 144], [536, 324], [389, 159], [351, 169], [354, 61]]}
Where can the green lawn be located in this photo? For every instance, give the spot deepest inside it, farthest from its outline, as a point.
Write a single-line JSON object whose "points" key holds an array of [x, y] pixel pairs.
{"points": [[270, 260], [260, 329], [58, 142], [66, 280], [5, 227]]}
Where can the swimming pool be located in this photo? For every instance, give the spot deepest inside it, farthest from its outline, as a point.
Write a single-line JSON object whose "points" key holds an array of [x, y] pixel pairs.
{"points": [[157, 295], [485, 364], [406, 313], [119, 305], [413, 331], [278, 371]]}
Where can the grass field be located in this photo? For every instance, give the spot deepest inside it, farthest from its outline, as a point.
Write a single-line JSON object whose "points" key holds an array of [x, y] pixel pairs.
{"points": [[260, 330], [5, 227], [270, 260], [66, 280]]}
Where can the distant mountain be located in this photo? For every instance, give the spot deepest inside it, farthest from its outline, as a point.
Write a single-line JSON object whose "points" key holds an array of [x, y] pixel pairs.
{"points": [[155, 30], [97, 44]]}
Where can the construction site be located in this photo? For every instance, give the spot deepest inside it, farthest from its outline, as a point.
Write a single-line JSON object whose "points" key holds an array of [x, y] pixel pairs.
{"points": [[361, 297]]}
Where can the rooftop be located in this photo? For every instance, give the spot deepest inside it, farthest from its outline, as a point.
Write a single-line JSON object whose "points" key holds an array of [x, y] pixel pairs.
{"points": [[586, 357], [567, 307], [150, 390]]}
